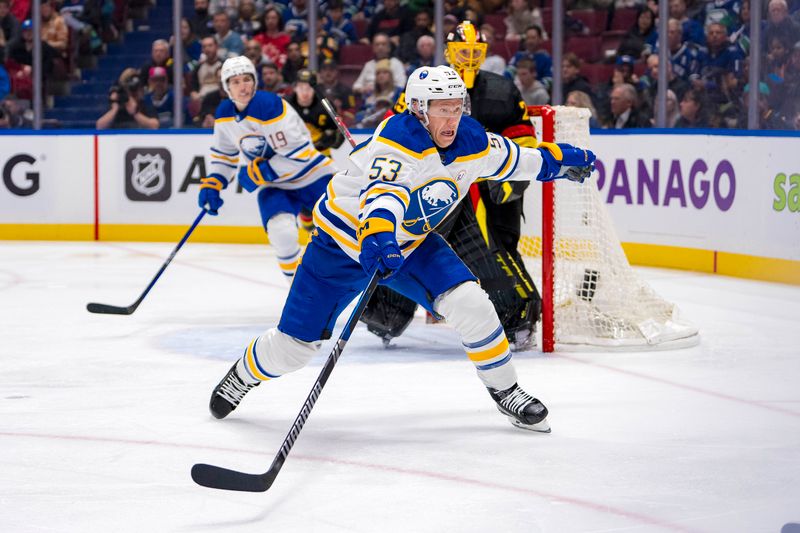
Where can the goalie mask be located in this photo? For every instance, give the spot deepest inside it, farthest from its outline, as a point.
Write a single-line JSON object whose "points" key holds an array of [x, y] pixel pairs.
{"points": [[236, 66], [433, 83], [466, 51]]}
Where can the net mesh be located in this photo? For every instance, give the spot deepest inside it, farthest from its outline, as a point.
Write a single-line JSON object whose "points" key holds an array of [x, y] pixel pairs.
{"points": [[598, 298]]}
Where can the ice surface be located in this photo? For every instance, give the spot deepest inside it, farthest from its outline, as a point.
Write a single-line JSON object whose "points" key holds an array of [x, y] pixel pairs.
{"points": [[102, 416]]}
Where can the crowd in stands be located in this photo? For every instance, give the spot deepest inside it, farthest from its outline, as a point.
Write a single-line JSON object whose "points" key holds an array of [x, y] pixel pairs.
{"points": [[367, 48]]}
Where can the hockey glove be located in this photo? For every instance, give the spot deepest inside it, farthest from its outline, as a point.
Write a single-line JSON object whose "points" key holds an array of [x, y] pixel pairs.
{"points": [[379, 248], [565, 161], [258, 172], [209, 198]]}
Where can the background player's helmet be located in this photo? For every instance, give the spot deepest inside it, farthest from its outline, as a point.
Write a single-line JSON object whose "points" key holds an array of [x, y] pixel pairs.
{"points": [[235, 66], [433, 83], [466, 51]]}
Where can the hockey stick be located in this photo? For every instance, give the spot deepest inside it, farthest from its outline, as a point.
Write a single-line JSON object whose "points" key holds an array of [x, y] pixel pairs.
{"points": [[337, 119], [106, 309], [216, 477]]}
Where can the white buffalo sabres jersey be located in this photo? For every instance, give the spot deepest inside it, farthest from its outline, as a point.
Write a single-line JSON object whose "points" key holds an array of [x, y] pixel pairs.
{"points": [[268, 128], [405, 173]]}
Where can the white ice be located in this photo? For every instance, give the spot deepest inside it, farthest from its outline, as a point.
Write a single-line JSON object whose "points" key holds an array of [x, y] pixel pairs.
{"points": [[102, 417]]}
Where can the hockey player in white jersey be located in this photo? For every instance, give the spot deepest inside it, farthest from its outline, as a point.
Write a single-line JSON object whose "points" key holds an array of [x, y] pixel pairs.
{"points": [[277, 157], [414, 170]]}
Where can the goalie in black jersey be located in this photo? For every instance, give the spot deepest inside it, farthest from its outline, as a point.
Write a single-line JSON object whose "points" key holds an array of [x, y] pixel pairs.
{"points": [[485, 231]]}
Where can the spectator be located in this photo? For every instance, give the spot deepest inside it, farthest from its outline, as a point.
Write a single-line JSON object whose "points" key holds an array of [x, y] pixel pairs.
{"points": [[21, 9], [54, 29], [229, 7], [725, 12], [409, 40], [776, 62], [9, 24], [274, 41], [337, 26], [205, 77], [160, 97], [295, 62], [624, 113], [327, 45], [787, 97], [126, 106], [641, 39], [531, 89], [581, 99], [201, 22], [159, 57], [252, 51], [571, 78], [297, 20], [648, 83], [741, 35], [721, 57], [449, 25], [247, 21], [532, 51], [779, 23], [691, 29], [521, 17], [303, 98], [208, 105], [768, 119], [191, 45], [271, 79], [426, 48], [393, 20], [382, 48], [230, 43], [360, 9], [20, 60], [693, 110], [15, 113], [686, 57], [494, 62], [386, 89], [335, 91]]}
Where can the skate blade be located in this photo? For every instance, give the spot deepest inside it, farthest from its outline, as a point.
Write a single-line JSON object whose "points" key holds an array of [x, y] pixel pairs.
{"points": [[539, 427]]}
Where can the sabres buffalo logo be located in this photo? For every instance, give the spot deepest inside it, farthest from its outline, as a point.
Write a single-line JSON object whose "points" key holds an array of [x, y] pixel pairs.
{"points": [[253, 146], [429, 204]]}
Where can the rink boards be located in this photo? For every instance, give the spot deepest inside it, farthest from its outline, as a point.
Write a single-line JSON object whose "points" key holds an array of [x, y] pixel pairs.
{"points": [[717, 203]]}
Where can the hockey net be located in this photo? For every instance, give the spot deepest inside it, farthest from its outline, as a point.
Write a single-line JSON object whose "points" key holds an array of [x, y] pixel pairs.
{"points": [[592, 298]]}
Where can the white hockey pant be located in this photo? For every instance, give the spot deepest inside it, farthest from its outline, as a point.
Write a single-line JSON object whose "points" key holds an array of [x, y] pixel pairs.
{"points": [[468, 309]]}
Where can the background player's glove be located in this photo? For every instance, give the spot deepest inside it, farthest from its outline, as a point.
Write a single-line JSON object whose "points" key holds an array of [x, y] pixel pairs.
{"points": [[258, 172], [379, 248], [209, 198], [565, 161]]}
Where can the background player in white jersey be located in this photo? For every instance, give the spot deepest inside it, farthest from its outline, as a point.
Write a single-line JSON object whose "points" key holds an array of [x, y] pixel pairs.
{"points": [[279, 159], [414, 171]]}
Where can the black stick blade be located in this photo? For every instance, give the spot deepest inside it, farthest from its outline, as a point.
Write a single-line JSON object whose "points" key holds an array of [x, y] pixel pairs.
{"points": [[105, 309], [216, 477]]}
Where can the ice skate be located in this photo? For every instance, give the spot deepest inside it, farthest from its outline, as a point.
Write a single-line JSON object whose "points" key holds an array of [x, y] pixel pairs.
{"points": [[228, 393], [522, 409]]}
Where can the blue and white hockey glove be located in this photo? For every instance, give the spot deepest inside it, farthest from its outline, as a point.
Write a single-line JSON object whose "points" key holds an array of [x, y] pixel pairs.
{"points": [[258, 172], [209, 198], [379, 248], [565, 161]]}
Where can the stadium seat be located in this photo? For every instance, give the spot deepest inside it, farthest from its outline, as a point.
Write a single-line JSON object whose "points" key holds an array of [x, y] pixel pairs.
{"points": [[360, 26], [624, 18], [355, 54], [503, 49], [587, 48], [594, 20], [597, 73], [497, 21]]}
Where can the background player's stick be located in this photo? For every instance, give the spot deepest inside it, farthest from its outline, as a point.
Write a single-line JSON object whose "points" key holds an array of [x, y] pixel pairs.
{"points": [[216, 477], [115, 310], [337, 119]]}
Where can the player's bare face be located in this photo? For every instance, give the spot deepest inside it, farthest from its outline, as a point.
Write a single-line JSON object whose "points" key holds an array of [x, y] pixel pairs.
{"points": [[443, 119], [242, 88]]}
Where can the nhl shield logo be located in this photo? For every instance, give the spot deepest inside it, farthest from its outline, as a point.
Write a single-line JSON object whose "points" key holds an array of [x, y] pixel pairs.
{"points": [[148, 174]]}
